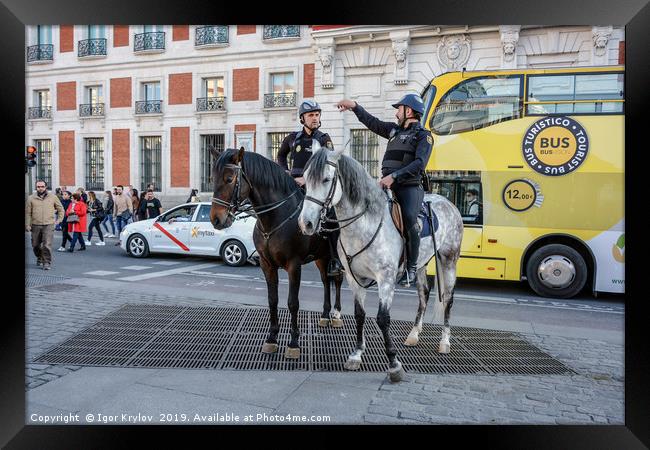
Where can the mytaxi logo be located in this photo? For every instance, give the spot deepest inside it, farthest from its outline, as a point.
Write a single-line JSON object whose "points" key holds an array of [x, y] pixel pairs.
{"points": [[618, 250], [195, 231]]}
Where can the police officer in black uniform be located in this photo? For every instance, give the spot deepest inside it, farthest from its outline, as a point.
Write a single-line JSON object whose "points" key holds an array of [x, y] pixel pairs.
{"points": [[407, 153], [299, 144]]}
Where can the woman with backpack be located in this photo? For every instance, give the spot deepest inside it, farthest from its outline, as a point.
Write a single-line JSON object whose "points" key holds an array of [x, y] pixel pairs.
{"points": [[96, 210]]}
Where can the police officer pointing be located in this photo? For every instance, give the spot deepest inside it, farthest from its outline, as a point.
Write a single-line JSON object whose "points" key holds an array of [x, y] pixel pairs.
{"points": [[407, 153], [299, 144]]}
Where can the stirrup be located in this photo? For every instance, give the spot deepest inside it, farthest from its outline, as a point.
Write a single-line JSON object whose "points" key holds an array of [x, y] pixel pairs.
{"points": [[408, 277], [334, 268]]}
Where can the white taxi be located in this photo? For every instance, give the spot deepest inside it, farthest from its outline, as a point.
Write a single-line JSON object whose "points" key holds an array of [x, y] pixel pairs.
{"points": [[186, 229]]}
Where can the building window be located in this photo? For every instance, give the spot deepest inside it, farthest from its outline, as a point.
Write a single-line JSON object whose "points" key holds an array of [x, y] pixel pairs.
{"points": [[478, 103], [274, 142], [212, 90], [281, 31], [94, 105], [208, 141], [42, 50], [152, 38], [94, 163], [42, 108], [364, 147], [151, 102], [44, 160], [151, 162], [94, 43], [211, 35], [283, 91]]}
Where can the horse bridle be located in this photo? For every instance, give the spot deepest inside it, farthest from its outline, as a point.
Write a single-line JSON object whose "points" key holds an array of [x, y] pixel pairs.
{"points": [[235, 204]]}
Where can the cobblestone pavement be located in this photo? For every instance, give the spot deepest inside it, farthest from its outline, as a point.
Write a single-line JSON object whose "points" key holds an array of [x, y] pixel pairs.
{"points": [[594, 396]]}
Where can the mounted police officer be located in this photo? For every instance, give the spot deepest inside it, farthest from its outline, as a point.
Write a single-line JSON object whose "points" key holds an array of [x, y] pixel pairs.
{"points": [[407, 154], [299, 144]]}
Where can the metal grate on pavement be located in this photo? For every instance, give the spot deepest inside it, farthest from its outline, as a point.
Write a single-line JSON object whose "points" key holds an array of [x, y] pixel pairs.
{"points": [[33, 279], [159, 336]]}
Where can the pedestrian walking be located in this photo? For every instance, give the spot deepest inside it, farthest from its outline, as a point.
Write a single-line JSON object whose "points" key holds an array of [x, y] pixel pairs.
{"points": [[96, 210], [40, 221], [140, 212], [135, 201], [194, 196], [83, 194], [122, 209], [108, 209], [77, 222], [150, 207], [66, 200], [59, 194]]}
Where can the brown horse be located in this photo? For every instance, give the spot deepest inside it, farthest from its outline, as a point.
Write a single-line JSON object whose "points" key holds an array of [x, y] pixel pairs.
{"points": [[276, 200]]}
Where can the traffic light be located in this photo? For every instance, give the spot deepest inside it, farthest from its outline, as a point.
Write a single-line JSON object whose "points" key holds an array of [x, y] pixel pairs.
{"points": [[30, 157]]}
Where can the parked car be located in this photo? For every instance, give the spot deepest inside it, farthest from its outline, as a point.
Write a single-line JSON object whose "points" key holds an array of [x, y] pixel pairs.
{"points": [[186, 229]]}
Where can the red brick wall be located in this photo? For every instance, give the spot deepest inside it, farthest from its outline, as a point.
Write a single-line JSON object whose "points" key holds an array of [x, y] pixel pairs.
{"points": [[120, 92], [621, 52], [121, 157], [246, 29], [180, 157], [308, 82], [66, 96], [181, 33], [180, 88], [120, 35], [248, 127], [66, 158], [66, 38], [246, 84], [327, 27]]}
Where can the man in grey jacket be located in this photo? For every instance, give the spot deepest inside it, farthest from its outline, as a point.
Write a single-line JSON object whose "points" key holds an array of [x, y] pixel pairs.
{"points": [[39, 219]]}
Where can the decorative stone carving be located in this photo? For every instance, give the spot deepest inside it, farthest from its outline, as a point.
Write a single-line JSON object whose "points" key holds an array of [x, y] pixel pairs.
{"points": [[325, 51], [509, 39], [453, 51], [601, 37], [401, 49]]}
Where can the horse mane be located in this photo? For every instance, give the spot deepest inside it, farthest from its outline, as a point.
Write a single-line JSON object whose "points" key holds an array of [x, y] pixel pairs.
{"points": [[261, 171], [358, 185]]}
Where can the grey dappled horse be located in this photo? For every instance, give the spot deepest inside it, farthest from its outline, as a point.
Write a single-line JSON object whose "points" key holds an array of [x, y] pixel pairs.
{"points": [[370, 238]]}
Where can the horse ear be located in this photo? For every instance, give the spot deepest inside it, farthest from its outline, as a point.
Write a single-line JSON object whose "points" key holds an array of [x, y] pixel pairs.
{"points": [[239, 157], [214, 152], [336, 154]]}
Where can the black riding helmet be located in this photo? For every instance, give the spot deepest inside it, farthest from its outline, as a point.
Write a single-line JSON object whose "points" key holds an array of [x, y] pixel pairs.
{"points": [[308, 106]]}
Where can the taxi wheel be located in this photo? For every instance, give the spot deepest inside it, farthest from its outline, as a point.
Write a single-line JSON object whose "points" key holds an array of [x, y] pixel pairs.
{"points": [[233, 253], [556, 271], [137, 246]]}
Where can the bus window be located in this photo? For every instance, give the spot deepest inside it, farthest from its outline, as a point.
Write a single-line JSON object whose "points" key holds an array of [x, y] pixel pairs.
{"points": [[427, 99], [469, 204], [477, 103], [570, 94]]}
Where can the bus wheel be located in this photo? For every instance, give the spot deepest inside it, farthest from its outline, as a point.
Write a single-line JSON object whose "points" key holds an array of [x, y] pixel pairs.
{"points": [[556, 271]]}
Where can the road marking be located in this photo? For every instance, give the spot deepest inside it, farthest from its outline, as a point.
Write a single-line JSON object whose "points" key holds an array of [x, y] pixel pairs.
{"points": [[165, 273], [100, 273], [166, 263], [137, 267]]}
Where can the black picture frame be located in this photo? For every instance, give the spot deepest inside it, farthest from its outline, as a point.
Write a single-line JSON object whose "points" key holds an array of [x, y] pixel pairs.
{"points": [[634, 14]]}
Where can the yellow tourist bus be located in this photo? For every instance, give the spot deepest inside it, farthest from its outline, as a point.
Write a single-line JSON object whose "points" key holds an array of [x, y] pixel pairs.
{"points": [[534, 161]]}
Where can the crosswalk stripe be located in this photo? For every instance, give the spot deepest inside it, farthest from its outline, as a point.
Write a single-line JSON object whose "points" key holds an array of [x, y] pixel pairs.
{"points": [[165, 273], [100, 273]]}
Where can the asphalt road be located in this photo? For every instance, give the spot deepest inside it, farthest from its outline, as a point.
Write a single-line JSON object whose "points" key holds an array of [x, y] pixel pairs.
{"points": [[479, 303]]}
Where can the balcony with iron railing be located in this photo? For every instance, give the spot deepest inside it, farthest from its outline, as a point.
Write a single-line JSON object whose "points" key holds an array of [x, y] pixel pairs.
{"points": [[281, 32], [211, 36], [150, 42], [41, 53], [91, 48], [280, 100], [91, 110], [39, 112], [148, 107], [210, 104]]}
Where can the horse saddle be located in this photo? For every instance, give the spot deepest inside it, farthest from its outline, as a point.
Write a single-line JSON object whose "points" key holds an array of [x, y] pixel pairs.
{"points": [[423, 218]]}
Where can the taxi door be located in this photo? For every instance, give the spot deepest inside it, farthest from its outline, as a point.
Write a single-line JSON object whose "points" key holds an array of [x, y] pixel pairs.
{"points": [[204, 238], [172, 230]]}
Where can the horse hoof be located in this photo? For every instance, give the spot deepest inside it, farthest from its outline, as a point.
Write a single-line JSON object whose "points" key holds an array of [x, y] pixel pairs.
{"points": [[411, 341], [269, 348], [396, 374], [337, 323], [352, 364], [292, 353], [443, 348], [323, 323]]}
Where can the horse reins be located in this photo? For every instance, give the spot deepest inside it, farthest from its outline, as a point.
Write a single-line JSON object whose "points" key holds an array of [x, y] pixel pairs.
{"points": [[235, 204]]}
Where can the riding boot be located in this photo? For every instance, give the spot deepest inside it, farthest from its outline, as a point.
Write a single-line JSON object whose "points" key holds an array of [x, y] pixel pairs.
{"points": [[334, 268], [412, 254]]}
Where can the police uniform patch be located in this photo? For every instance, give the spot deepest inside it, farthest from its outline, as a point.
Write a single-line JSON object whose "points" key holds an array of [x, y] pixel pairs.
{"points": [[298, 148], [429, 139], [329, 144]]}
